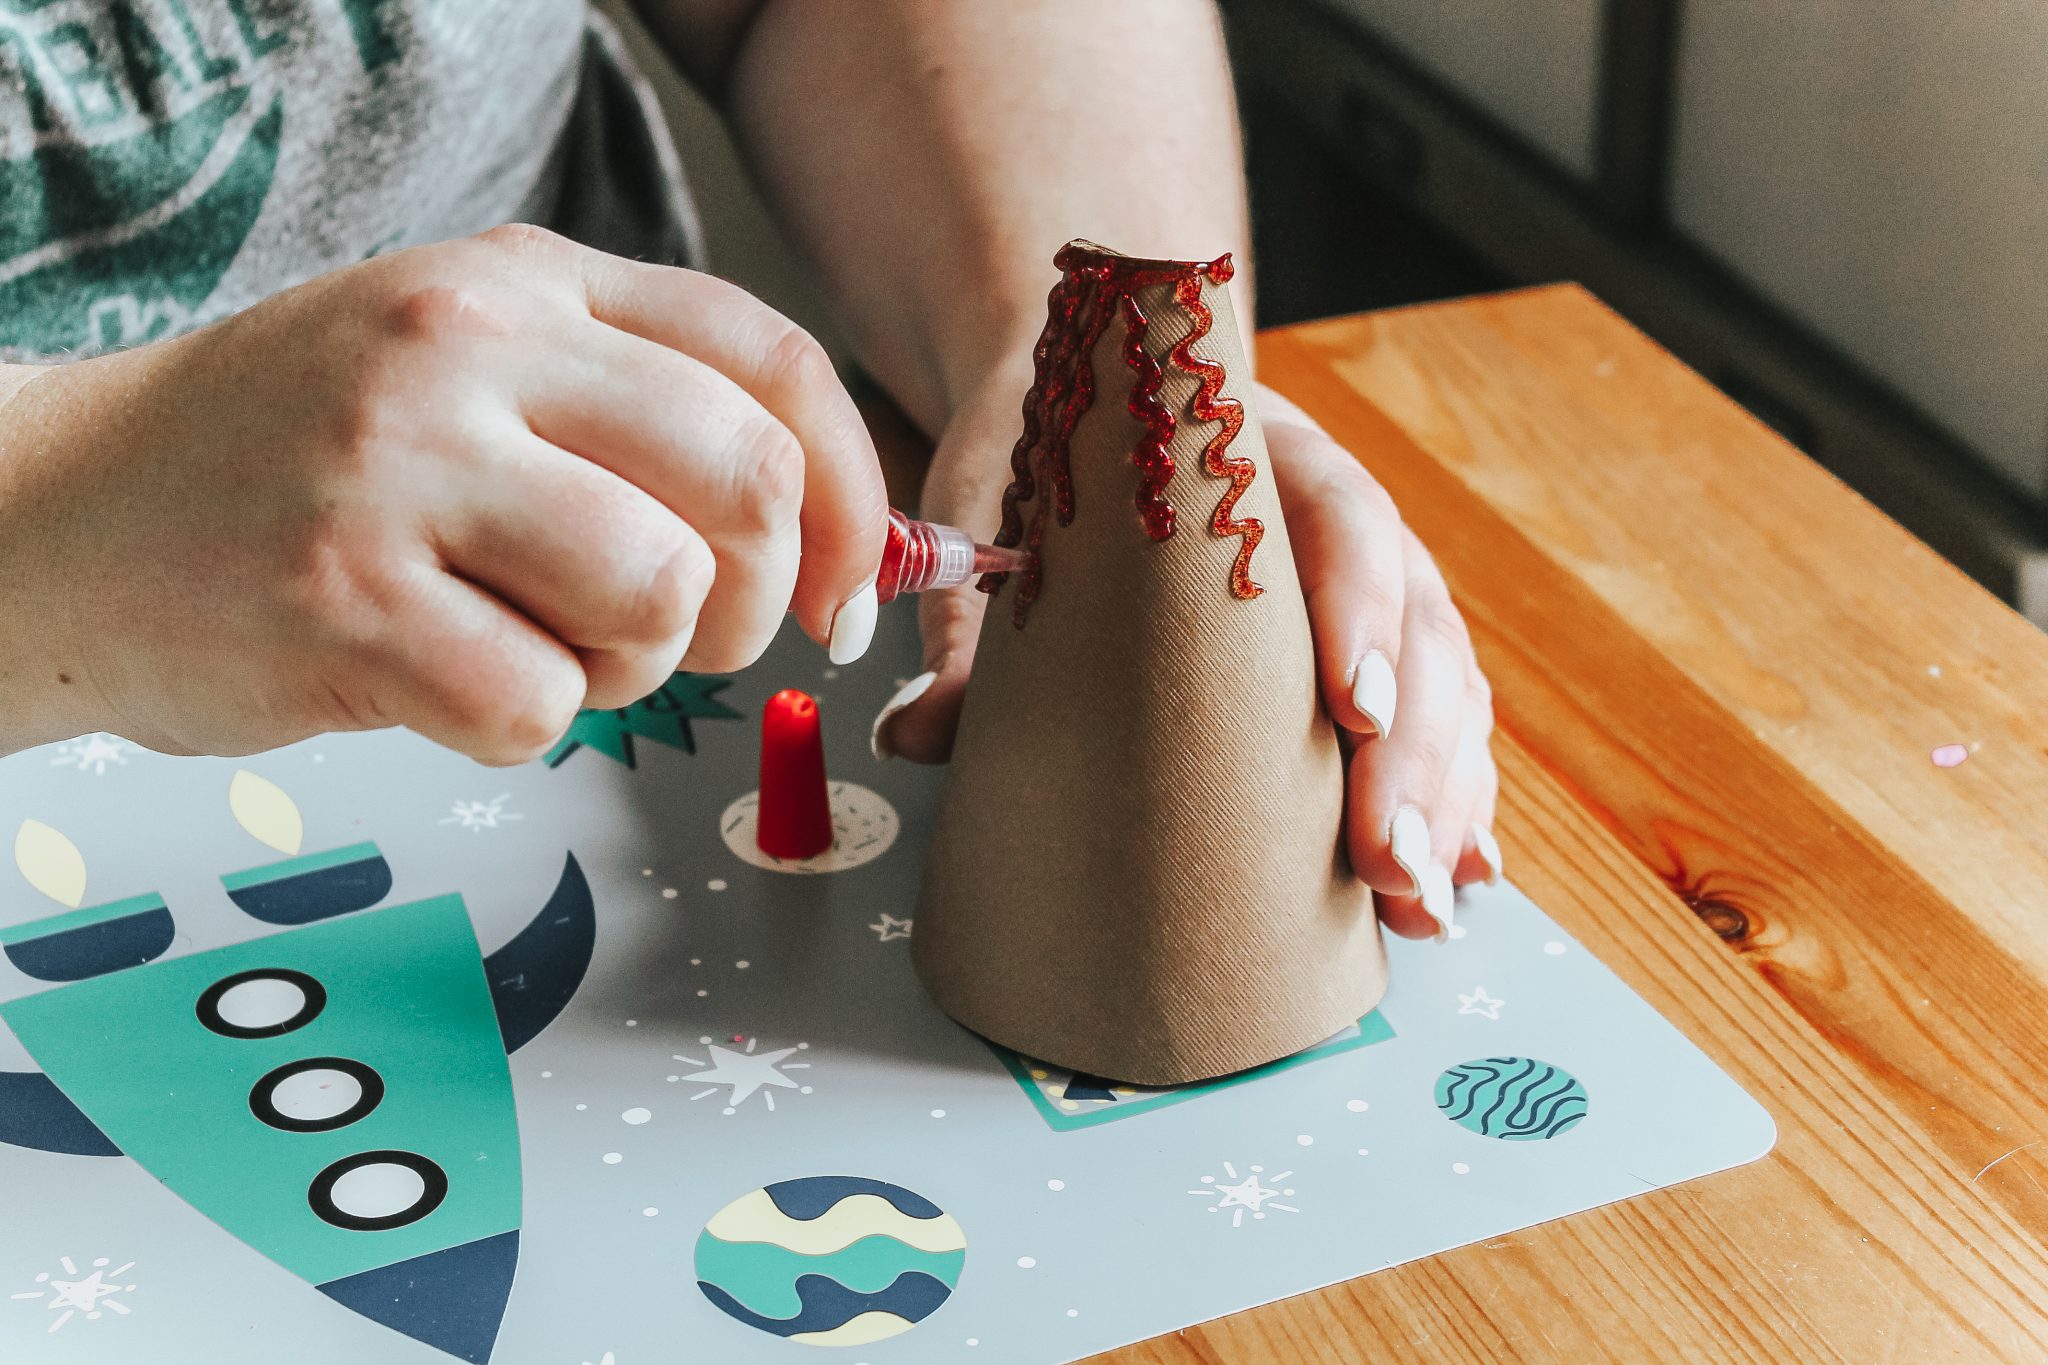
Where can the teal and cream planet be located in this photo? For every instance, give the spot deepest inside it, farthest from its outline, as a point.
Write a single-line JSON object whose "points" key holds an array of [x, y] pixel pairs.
{"points": [[1519, 1099], [830, 1260]]}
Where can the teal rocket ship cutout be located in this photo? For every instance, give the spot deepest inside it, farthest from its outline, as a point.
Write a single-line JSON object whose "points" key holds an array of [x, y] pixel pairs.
{"points": [[335, 1095], [664, 716]]}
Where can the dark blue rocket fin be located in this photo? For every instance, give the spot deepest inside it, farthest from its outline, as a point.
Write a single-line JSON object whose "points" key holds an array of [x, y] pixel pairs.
{"points": [[35, 1114], [452, 1300], [533, 976]]}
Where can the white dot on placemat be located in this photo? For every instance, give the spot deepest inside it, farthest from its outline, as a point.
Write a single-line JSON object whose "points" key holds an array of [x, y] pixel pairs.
{"points": [[1073, 1312], [612, 1158], [716, 884], [647, 872], [649, 1211], [632, 1023], [702, 994], [803, 1090], [1364, 1152], [636, 1115], [671, 1079], [581, 1107], [668, 893], [1457, 931], [1554, 948], [1460, 1168], [974, 1341], [1304, 1140], [1357, 1106], [1055, 1184], [938, 1113], [1026, 1262], [545, 1074], [743, 964]]}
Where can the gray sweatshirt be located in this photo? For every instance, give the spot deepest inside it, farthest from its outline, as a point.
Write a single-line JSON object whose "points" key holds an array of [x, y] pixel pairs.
{"points": [[166, 162]]}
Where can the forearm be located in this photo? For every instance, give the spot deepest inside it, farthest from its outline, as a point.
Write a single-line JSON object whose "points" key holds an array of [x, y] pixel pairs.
{"points": [[929, 156]]}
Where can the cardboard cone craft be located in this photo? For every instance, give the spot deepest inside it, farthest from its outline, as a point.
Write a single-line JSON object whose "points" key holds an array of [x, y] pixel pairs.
{"points": [[1137, 872]]}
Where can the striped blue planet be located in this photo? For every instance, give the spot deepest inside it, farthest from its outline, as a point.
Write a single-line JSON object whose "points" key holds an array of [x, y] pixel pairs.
{"points": [[1518, 1099], [830, 1260]]}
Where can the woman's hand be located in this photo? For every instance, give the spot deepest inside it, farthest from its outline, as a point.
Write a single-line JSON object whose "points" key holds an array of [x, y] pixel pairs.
{"points": [[467, 488], [1396, 665]]}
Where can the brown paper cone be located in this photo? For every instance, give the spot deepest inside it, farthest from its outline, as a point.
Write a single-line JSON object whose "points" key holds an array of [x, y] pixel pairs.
{"points": [[1137, 871]]}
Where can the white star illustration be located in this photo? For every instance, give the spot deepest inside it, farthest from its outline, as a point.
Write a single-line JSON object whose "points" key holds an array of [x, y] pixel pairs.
{"points": [[1479, 1002], [69, 1297], [888, 927], [481, 815], [91, 754], [1249, 1194], [743, 1073]]}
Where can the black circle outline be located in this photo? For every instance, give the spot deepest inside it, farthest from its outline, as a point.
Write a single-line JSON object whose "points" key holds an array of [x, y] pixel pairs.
{"points": [[266, 1110], [208, 1008], [320, 1195]]}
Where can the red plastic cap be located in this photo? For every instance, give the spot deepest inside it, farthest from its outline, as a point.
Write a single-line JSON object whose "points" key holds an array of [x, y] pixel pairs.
{"points": [[796, 808]]}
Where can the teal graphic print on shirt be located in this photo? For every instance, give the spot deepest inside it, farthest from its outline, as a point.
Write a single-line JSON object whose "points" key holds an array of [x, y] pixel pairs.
{"points": [[140, 141]]}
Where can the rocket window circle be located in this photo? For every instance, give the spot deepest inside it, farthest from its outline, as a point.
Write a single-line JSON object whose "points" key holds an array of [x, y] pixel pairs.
{"points": [[262, 1003], [316, 1094], [377, 1191]]}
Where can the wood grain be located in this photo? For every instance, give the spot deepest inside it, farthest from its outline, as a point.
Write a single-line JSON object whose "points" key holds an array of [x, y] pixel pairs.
{"points": [[1720, 675]]}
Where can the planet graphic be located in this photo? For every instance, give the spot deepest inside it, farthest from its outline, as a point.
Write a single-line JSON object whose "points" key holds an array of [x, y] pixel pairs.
{"points": [[1519, 1099], [830, 1260]]}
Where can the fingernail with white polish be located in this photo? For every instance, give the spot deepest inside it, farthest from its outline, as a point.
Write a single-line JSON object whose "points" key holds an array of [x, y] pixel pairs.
{"points": [[1439, 898], [1372, 691], [1488, 849], [905, 695], [853, 626], [1408, 841]]}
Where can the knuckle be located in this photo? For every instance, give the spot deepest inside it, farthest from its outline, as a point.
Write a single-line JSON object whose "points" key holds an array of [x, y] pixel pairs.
{"points": [[523, 240], [507, 729], [665, 604], [336, 581], [1429, 754], [795, 362], [1436, 621], [768, 473], [442, 313]]}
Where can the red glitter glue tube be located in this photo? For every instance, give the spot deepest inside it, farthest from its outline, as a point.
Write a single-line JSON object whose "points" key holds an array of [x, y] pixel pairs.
{"points": [[922, 555]]}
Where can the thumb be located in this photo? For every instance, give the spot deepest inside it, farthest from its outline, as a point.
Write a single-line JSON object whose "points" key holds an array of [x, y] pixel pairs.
{"points": [[918, 722]]}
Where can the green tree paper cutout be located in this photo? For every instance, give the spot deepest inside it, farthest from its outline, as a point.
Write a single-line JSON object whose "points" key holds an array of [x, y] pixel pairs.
{"points": [[664, 716]]}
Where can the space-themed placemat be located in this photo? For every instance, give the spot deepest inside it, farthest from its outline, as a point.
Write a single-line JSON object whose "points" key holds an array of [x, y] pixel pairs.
{"points": [[360, 1051]]}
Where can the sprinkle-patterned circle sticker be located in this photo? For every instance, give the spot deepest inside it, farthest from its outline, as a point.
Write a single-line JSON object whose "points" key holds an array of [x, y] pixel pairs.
{"points": [[864, 825], [830, 1260], [1519, 1099]]}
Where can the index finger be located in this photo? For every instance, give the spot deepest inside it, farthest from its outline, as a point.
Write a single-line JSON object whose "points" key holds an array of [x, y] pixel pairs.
{"points": [[787, 372]]}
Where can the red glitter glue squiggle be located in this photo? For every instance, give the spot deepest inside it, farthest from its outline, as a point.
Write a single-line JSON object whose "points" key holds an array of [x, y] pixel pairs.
{"points": [[1208, 406], [1153, 459]]}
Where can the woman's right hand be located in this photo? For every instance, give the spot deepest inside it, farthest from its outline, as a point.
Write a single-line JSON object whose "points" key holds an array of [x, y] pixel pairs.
{"points": [[466, 488]]}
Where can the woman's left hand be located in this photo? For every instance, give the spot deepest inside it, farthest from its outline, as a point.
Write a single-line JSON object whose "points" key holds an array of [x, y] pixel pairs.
{"points": [[1394, 658]]}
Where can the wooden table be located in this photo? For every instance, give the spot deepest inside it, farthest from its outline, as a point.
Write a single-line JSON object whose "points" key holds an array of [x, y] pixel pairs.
{"points": [[1720, 676]]}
